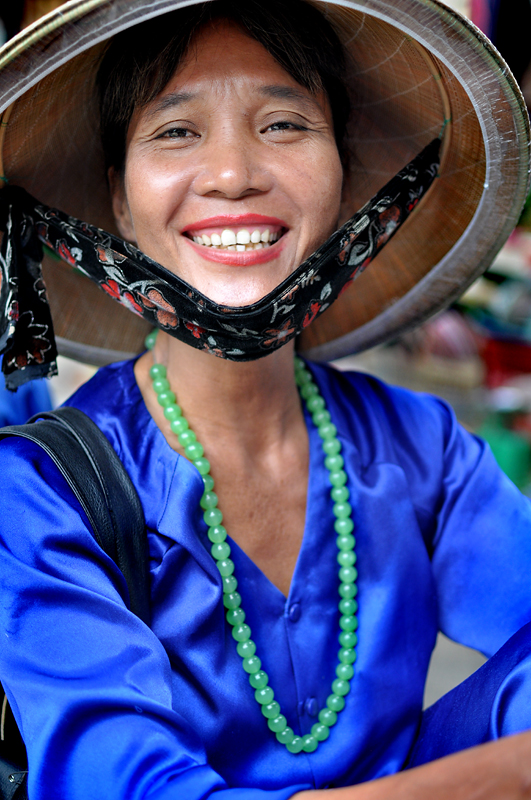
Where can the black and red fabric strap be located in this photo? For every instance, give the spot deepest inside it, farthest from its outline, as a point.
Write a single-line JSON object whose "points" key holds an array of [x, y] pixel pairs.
{"points": [[165, 300]]}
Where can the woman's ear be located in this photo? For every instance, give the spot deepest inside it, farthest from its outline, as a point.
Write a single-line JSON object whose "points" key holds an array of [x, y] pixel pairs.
{"points": [[120, 206]]}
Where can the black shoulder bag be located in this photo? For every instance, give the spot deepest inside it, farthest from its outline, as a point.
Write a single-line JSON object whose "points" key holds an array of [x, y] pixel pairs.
{"points": [[98, 479]]}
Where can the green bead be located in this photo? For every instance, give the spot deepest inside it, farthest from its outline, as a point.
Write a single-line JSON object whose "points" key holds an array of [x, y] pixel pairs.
{"points": [[327, 716], [251, 664], [340, 687], [194, 450], [340, 494], [220, 551], [208, 482], [348, 607], [166, 399], [230, 584], [348, 590], [299, 364], [347, 655], [278, 724], [225, 567], [331, 447], [172, 413], [286, 736], [310, 743], [209, 500], [187, 437], [264, 696], [346, 574], [327, 431], [345, 541], [202, 465], [348, 639], [343, 526], [342, 510], [236, 616], [303, 376], [321, 417], [348, 623], [335, 462], [259, 680], [241, 633], [179, 425], [149, 343], [338, 478], [335, 703], [246, 649], [234, 600], [309, 390], [346, 558], [344, 672], [161, 385], [295, 746], [271, 710], [315, 404], [320, 732], [217, 533], [213, 517]]}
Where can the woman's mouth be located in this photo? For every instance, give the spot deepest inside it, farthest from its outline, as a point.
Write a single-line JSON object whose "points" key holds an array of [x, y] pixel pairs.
{"points": [[239, 240]]}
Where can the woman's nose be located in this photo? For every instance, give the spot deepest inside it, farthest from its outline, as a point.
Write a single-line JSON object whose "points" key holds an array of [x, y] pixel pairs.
{"points": [[232, 167]]}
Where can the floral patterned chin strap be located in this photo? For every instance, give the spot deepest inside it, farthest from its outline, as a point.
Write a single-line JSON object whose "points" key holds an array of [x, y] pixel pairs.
{"points": [[166, 301]]}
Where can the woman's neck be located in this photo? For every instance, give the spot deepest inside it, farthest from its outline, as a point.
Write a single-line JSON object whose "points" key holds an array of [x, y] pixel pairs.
{"points": [[254, 403]]}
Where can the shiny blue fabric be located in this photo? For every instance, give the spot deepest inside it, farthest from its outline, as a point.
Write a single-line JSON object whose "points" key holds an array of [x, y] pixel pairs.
{"points": [[110, 708], [17, 407]]}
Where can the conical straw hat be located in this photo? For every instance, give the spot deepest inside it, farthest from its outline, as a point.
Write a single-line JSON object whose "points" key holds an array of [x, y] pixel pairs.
{"points": [[419, 68]]}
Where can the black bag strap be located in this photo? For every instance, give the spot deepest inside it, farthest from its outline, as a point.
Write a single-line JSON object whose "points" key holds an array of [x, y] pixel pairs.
{"points": [[94, 472]]}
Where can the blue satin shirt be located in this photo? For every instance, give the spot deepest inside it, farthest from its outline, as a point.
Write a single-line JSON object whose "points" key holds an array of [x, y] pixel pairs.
{"points": [[113, 709]]}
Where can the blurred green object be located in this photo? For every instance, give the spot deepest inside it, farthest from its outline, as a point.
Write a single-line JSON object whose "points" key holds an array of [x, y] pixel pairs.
{"points": [[511, 450], [525, 217]]}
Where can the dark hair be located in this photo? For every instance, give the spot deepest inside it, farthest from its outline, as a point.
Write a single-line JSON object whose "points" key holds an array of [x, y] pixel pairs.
{"points": [[140, 62]]}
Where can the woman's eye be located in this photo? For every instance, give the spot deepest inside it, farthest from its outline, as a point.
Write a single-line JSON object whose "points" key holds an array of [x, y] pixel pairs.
{"points": [[177, 133], [283, 125]]}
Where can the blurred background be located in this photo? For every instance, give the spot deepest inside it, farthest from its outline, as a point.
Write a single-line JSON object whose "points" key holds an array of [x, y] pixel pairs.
{"points": [[476, 355]]}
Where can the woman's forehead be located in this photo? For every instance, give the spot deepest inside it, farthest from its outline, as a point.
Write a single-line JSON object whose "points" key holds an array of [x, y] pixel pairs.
{"points": [[221, 49]]}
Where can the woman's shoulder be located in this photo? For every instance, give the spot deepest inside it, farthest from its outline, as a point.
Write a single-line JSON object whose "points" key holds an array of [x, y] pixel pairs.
{"points": [[111, 398], [362, 402]]}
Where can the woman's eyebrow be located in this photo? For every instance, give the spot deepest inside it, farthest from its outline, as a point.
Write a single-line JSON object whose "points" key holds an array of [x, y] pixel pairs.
{"points": [[290, 93], [169, 101]]}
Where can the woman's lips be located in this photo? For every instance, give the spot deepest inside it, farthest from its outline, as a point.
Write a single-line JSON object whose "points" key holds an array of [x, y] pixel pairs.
{"points": [[238, 258], [251, 236]]}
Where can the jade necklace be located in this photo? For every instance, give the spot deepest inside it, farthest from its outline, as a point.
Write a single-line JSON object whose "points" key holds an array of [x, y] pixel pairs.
{"points": [[220, 550]]}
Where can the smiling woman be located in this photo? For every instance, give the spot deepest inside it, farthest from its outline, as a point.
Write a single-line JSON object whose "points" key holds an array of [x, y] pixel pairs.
{"points": [[308, 532], [230, 138]]}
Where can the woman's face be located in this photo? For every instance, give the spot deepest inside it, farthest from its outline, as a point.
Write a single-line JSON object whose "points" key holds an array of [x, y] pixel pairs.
{"points": [[232, 175]]}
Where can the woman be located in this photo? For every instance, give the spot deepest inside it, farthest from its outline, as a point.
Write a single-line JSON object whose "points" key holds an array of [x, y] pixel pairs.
{"points": [[216, 137]]}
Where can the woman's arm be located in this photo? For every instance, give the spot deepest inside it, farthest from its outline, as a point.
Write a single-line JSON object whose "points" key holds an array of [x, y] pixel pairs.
{"points": [[499, 770]]}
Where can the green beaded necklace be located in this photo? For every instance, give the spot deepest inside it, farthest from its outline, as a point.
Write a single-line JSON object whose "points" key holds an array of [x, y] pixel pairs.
{"points": [[220, 550]]}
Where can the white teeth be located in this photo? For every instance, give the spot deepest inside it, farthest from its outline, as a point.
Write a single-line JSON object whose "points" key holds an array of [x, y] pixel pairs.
{"points": [[243, 237], [228, 237], [241, 241]]}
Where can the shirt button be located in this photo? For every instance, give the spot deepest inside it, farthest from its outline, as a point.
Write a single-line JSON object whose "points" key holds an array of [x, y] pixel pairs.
{"points": [[312, 708], [294, 613]]}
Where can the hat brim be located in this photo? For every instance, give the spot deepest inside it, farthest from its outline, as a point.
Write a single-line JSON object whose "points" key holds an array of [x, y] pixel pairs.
{"points": [[417, 67]]}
